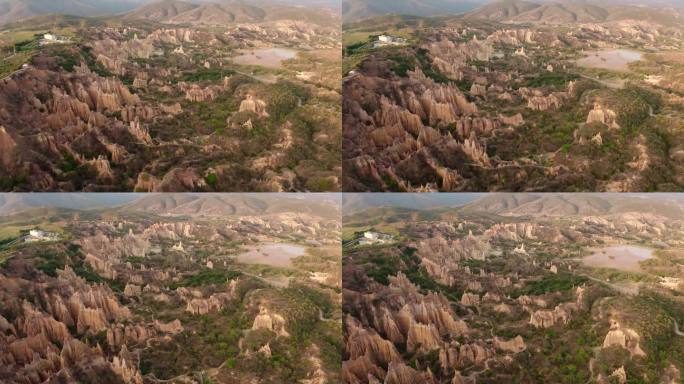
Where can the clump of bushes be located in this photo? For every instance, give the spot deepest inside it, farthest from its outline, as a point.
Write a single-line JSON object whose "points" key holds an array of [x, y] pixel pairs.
{"points": [[207, 277]]}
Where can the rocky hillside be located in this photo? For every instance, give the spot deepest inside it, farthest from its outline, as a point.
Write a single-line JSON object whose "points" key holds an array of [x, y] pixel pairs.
{"points": [[100, 112], [113, 296], [469, 296], [466, 106]]}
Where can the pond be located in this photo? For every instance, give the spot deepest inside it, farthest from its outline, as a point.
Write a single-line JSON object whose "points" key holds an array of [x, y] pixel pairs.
{"points": [[266, 57], [621, 257], [277, 255], [613, 59]]}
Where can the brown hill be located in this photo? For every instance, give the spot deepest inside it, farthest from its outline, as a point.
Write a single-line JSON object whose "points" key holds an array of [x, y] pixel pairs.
{"points": [[581, 204], [220, 14], [12, 11], [503, 10], [231, 205], [573, 11], [557, 13], [161, 11], [357, 10], [230, 11], [12, 203]]}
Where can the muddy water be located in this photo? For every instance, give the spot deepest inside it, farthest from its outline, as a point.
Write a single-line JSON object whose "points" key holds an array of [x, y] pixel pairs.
{"points": [[613, 59], [277, 255], [621, 257], [267, 57]]}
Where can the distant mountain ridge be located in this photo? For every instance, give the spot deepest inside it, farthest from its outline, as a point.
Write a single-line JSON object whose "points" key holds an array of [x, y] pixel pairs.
{"points": [[574, 11], [522, 204], [162, 10], [666, 12], [582, 204], [175, 11], [175, 204], [502, 10], [12, 203], [221, 12], [357, 202], [209, 204], [16, 10], [357, 10]]}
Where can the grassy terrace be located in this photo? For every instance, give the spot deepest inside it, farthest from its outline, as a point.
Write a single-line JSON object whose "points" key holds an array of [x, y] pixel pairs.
{"points": [[358, 41], [17, 46]]}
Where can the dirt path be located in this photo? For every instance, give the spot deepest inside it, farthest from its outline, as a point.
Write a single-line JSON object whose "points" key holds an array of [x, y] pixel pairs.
{"points": [[622, 289], [676, 329], [262, 79], [322, 318], [284, 284], [18, 71], [611, 85]]}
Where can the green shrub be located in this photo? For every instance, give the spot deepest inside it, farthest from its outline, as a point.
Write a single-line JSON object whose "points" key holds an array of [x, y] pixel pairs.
{"points": [[207, 277], [400, 64], [204, 74], [554, 283], [212, 179]]}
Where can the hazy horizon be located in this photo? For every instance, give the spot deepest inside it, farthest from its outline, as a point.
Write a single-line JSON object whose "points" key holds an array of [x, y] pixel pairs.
{"points": [[87, 201], [12, 11], [357, 10], [357, 202]]}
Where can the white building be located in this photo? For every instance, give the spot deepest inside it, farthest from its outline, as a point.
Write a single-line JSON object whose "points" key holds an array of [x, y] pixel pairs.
{"points": [[371, 237], [385, 40], [39, 235], [52, 38]]}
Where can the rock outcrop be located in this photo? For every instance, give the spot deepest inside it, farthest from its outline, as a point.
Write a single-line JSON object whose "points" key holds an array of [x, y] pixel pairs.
{"points": [[623, 337], [515, 345], [603, 116], [270, 321], [7, 145], [253, 105], [546, 318]]}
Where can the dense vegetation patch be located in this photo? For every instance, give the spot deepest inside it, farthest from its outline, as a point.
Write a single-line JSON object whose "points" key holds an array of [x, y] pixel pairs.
{"points": [[207, 277], [56, 257], [556, 80], [203, 74], [382, 267], [553, 283], [283, 98], [634, 105]]}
